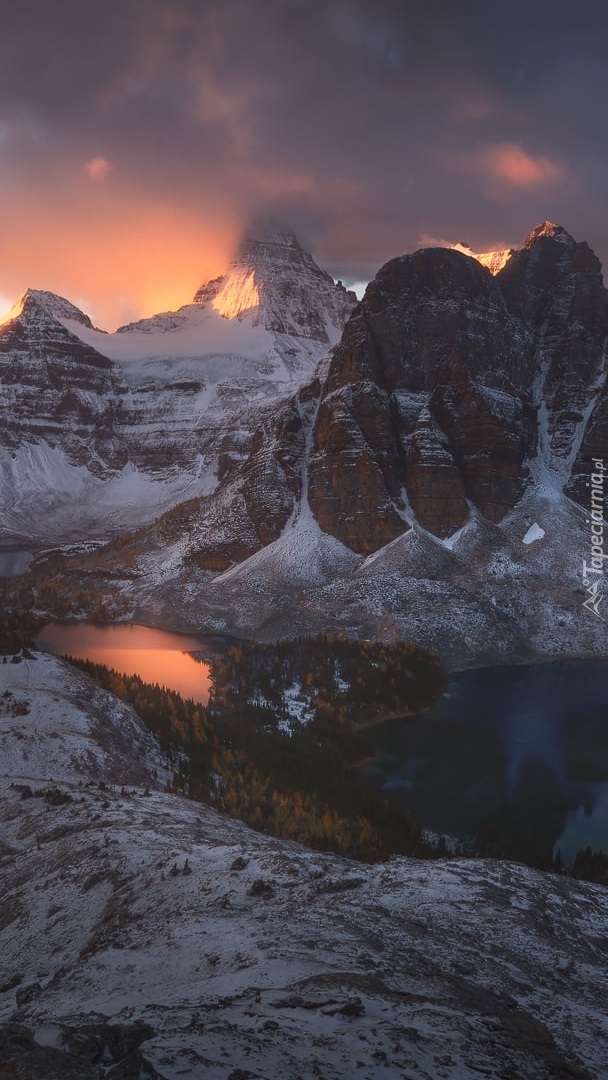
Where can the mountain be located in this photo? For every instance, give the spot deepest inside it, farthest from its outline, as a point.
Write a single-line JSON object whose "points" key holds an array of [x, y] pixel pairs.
{"points": [[429, 483], [428, 480], [271, 285], [104, 431], [147, 935], [58, 404], [453, 389], [279, 286]]}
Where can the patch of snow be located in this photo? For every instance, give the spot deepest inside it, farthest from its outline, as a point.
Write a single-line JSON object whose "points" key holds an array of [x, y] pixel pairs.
{"points": [[534, 533], [299, 708], [494, 261]]}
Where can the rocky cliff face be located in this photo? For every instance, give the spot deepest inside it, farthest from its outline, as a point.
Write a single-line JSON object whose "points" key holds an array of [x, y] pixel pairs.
{"points": [[424, 405], [57, 388], [451, 388]]}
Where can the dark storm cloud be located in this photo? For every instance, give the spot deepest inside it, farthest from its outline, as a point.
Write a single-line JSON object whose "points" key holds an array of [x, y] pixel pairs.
{"points": [[369, 127]]}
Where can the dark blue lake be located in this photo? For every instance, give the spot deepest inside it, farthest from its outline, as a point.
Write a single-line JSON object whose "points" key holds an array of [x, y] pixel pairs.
{"points": [[508, 748]]}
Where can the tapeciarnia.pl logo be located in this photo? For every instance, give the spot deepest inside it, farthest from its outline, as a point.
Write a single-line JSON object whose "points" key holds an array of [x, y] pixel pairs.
{"points": [[593, 571]]}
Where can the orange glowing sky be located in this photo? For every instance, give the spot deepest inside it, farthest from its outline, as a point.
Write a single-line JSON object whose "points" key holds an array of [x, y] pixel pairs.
{"points": [[137, 136], [117, 258]]}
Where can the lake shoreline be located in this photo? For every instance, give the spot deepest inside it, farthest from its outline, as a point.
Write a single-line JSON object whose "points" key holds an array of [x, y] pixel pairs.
{"points": [[207, 634], [538, 725]]}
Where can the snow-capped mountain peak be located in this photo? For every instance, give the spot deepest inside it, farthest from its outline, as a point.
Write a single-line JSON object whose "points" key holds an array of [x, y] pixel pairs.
{"points": [[276, 284], [179, 396], [37, 304], [495, 261]]}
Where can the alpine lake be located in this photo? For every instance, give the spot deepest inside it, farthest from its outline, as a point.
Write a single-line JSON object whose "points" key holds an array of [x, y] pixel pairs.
{"points": [[520, 749]]}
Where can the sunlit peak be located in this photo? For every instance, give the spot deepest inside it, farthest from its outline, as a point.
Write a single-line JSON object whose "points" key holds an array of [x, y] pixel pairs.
{"points": [[238, 294], [15, 310], [492, 260]]}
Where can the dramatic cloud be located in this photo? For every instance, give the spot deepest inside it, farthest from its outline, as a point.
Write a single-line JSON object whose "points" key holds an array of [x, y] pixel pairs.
{"points": [[509, 162], [98, 168], [149, 130], [505, 172]]}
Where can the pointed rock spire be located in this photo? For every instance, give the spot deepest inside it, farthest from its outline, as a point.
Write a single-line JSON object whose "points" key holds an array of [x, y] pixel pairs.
{"points": [[276, 284], [549, 230]]}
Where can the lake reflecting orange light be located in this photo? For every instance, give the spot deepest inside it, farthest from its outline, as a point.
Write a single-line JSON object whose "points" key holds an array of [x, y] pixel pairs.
{"points": [[155, 655]]}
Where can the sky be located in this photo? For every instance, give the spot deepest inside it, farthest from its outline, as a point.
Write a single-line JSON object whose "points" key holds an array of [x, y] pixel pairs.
{"points": [[137, 137]]}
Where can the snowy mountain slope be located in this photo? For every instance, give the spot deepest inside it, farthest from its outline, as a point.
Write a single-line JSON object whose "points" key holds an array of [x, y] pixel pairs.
{"points": [[180, 391], [70, 730], [146, 929], [489, 594]]}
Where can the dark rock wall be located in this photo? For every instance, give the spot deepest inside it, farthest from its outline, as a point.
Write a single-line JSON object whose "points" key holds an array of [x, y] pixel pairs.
{"points": [[449, 383]]}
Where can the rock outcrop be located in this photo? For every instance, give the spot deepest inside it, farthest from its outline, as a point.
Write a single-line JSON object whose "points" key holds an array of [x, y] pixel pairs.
{"points": [[57, 388], [451, 388], [555, 285]]}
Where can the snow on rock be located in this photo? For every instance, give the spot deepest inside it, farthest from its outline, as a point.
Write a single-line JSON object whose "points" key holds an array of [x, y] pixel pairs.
{"points": [[492, 260], [534, 533], [37, 304], [482, 596], [146, 920], [65, 729], [47, 499], [303, 556]]}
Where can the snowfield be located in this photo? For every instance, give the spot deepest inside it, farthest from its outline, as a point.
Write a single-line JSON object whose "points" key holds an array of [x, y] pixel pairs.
{"points": [[141, 927]]}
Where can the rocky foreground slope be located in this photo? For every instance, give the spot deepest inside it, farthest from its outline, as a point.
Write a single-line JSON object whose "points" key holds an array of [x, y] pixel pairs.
{"points": [[142, 935]]}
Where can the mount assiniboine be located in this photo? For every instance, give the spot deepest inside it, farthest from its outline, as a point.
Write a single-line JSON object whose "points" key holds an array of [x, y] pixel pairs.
{"points": [[426, 478], [100, 432]]}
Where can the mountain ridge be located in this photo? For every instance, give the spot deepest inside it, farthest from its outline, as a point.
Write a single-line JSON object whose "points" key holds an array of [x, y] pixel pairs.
{"points": [[417, 488], [429, 474]]}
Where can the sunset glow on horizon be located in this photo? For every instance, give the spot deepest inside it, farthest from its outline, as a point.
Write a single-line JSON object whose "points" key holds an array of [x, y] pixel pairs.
{"points": [[126, 262], [133, 151]]}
